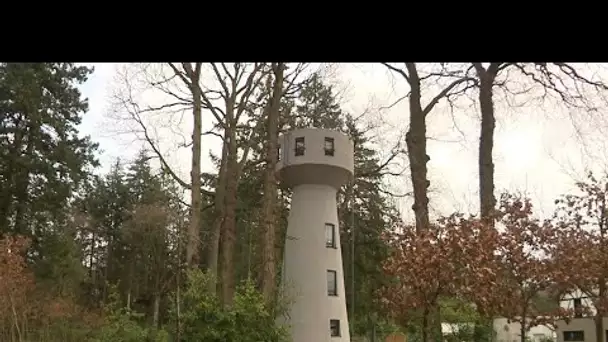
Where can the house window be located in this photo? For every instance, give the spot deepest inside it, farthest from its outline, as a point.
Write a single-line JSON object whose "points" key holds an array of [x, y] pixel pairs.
{"points": [[330, 235], [578, 307], [300, 146], [334, 327], [332, 283], [577, 335], [329, 146]]}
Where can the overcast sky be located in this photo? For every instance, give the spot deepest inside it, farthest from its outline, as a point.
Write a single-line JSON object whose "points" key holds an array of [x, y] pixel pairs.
{"points": [[537, 148]]}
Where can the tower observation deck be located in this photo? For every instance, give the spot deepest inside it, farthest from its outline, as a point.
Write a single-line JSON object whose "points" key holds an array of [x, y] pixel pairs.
{"points": [[315, 163]]}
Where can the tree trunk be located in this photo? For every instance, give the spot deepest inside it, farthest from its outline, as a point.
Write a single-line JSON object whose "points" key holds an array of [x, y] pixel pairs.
{"points": [[214, 240], [22, 187], [428, 324], [6, 200], [193, 244], [91, 258], [599, 316], [416, 148], [235, 106], [523, 327], [268, 236], [487, 201], [178, 284], [156, 310], [157, 296], [130, 281], [415, 140], [229, 227], [106, 273]]}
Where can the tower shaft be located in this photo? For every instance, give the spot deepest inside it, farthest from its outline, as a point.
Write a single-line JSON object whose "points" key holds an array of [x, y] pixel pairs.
{"points": [[313, 272]]}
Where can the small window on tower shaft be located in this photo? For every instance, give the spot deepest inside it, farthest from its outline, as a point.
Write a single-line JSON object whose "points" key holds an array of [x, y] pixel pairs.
{"points": [[300, 146], [334, 327], [279, 153], [332, 283], [329, 146], [330, 235]]}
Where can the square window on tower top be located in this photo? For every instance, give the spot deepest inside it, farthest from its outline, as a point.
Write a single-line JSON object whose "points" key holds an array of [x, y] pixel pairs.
{"points": [[329, 146], [300, 146]]}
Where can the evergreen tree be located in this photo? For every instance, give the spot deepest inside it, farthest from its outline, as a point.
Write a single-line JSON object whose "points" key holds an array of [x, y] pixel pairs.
{"points": [[42, 158], [43, 162]]}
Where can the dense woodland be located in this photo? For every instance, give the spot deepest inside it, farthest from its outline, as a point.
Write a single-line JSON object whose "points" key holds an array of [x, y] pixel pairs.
{"points": [[142, 254]]}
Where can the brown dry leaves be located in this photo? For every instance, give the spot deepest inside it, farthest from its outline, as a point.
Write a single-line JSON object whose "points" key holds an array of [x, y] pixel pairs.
{"points": [[499, 270], [16, 282], [581, 243], [21, 301], [449, 259]]}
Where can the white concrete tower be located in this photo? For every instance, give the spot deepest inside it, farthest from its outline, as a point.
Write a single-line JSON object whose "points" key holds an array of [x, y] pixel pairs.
{"points": [[315, 163]]}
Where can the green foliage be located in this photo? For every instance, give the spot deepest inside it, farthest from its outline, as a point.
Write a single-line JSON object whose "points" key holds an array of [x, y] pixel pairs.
{"points": [[204, 319], [60, 268], [42, 157], [456, 310], [121, 325], [113, 241]]}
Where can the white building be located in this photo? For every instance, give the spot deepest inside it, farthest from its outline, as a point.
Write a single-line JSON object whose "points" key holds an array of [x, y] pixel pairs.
{"points": [[510, 331], [581, 327], [504, 331], [315, 163]]}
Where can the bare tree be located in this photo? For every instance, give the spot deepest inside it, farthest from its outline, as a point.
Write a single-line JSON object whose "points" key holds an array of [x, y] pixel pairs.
{"points": [[561, 81], [191, 79], [237, 85], [125, 102], [236, 88], [541, 81], [486, 77], [416, 137]]}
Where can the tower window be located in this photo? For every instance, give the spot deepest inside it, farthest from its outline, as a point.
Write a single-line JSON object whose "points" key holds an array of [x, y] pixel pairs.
{"points": [[329, 146], [330, 235], [332, 283], [334, 327], [279, 153], [300, 146]]}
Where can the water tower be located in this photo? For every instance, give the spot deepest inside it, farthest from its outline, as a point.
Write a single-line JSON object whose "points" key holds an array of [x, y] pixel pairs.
{"points": [[314, 163]]}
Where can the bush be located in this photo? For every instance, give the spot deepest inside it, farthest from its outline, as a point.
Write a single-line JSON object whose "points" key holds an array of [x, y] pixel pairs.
{"points": [[121, 326], [204, 319]]}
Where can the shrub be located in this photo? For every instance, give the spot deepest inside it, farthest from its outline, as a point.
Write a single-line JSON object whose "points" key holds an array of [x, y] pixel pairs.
{"points": [[202, 317], [121, 326]]}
